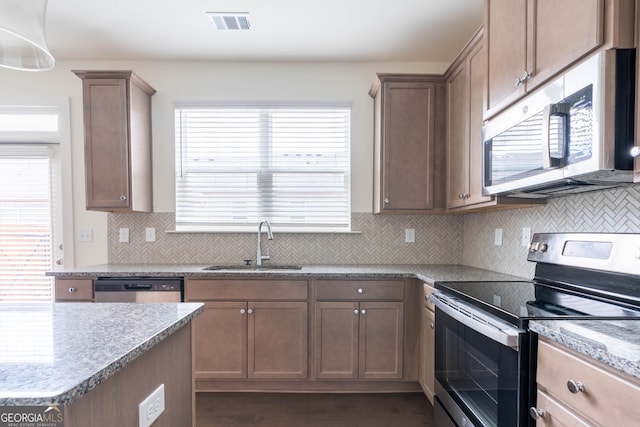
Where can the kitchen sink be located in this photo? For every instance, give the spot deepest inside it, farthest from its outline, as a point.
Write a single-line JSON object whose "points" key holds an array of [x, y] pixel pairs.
{"points": [[253, 267]]}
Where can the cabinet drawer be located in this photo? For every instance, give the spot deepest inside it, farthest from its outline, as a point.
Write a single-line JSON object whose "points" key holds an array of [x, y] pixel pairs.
{"points": [[556, 415], [281, 290], [360, 290], [607, 398], [74, 290], [427, 290]]}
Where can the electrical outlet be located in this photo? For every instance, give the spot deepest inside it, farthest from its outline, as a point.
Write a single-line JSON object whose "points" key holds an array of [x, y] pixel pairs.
{"points": [[150, 408], [124, 235], [526, 236], [85, 234], [150, 234], [497, 238], [409, 235], [497, 300]]}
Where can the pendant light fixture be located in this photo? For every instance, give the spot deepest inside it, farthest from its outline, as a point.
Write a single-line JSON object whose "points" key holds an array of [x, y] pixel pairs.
{"points": [[22, 39]]}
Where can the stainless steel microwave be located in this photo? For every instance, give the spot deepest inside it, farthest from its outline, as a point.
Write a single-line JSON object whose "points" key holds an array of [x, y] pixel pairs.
{"points": [[575, 134]]}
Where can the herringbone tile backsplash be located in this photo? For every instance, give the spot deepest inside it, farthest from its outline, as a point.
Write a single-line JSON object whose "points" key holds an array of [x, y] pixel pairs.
{"points": [[380, 240], [457, 239], [610, 211]]}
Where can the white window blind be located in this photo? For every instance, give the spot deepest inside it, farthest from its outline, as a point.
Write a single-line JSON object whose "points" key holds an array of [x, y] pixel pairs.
{"points": [[236, 166], [25, 223]]}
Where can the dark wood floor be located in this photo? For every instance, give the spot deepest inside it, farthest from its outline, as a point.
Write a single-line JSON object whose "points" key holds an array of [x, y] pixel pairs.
{"points": [[313, 410]]}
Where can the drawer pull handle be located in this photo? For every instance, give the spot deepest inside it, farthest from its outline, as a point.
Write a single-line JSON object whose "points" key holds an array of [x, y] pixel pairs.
{"points": [[72, 290], [536, 413], [360, 290], [575, 386]]}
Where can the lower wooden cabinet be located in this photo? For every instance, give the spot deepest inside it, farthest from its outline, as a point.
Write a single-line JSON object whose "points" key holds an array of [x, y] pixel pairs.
{"points": [[359, 340], [250, 339], [427, 344], [575, 390], [74, 289]]}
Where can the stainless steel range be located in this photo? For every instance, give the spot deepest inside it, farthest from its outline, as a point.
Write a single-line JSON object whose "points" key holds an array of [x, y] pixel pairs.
{"points": [[485, 355]]}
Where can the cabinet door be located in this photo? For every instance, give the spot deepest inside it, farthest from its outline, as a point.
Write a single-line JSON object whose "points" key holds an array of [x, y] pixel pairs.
{"points": [[106, 128], [560, 33], [408, 136], [336, 340], [380, 349], [506, 38], [476, 71], [277, 340], [427, 352], [457, 136], [220, 340]]}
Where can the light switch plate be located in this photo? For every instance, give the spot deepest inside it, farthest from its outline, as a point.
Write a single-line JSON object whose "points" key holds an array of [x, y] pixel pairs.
{"points": [[124, 235], [150, 234], [409, 235], [85, 234], [497, 238], [526, 236]]}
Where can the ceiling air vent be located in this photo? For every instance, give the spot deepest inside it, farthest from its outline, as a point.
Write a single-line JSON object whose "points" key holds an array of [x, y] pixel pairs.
{"points": [[230, 21]]}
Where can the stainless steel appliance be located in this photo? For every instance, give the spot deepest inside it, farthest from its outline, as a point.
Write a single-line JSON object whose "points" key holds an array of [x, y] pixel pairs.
{"points": [[485, 356], [575, 134], [138, 289]]}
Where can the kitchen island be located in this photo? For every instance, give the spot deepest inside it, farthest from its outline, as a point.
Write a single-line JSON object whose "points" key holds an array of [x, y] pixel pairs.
{"points": [[97, 362]]}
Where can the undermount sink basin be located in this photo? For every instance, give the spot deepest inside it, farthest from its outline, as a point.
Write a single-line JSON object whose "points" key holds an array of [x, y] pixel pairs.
{"points": [[253, 267]]}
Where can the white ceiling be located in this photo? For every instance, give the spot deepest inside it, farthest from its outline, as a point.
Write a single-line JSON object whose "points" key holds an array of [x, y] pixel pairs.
{"points": [[283, 30]]}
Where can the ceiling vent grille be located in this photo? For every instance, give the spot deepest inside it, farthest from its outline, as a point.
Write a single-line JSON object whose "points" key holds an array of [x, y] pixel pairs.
{"points": [[230, 21]]}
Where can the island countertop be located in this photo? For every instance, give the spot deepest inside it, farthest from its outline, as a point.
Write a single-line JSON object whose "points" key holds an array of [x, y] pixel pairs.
{"points": [[52, 354]]}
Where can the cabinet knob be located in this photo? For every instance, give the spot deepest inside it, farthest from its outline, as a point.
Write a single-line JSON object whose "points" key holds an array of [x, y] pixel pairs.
{"points": [[363, 311], [575, 387], [461, 196], [536, 413], [250, 311], [356, 311], [635, 152], [243, 311], [360, 290], [386, 200], [431, 325], [72, 290], [123, 198]]}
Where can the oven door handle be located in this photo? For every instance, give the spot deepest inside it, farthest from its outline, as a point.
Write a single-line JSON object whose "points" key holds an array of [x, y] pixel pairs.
{"points": [[500, 332]]}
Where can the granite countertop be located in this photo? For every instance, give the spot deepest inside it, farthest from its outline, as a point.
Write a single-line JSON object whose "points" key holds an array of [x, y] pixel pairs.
{"points": [[612, 342], [51, 354], [429, 273]]}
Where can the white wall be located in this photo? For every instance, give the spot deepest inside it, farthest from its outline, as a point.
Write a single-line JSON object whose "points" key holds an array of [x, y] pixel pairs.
{"points": [[205, 81]]}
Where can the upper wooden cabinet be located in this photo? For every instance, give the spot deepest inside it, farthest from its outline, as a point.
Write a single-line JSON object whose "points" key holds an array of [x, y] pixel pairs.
{"points": [[409, 150], [117, 133], [464, 88], [530, 41]]}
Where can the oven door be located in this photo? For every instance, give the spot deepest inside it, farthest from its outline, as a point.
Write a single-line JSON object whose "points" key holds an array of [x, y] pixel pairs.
{"points": [[481, 369]]}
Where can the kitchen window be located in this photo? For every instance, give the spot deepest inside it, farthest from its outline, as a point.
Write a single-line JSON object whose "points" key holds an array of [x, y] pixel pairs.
{"points": [[238, 165], [30, 221]]}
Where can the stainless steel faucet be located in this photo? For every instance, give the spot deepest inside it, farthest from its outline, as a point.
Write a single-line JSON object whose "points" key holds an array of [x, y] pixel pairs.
{"points": [[259, 256]]}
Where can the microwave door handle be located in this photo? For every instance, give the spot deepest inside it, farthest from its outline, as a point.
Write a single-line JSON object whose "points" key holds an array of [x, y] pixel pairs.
{"points": [[554, 110], [546, 148]]}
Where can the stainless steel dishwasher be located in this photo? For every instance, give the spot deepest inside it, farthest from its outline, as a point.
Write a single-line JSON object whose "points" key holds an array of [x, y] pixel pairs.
{"points": [[138, 289]]}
